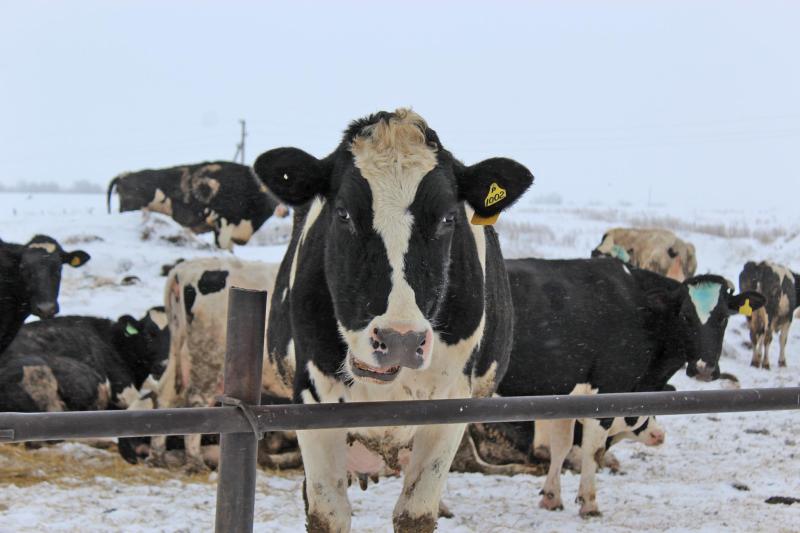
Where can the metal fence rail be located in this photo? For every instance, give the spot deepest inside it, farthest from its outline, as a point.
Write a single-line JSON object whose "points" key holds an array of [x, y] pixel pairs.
{"points": [[20, 427], [236, 486]]}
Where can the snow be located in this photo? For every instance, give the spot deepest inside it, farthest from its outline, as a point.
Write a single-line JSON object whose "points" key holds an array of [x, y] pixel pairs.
{"points": [[688, 484]]}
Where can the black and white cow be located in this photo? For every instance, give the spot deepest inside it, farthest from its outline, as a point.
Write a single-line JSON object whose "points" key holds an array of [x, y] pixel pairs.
{"points": [[78, 363], [387, 292], [781, 287], [30, 277], [221, 197], [590, 326]]}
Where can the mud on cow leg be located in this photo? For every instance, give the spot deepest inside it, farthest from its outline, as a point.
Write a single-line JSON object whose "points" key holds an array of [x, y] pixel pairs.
{"points": [[433, 450], [194, 463], [592, 451], [325, 487], [560, 434], [158, 452]]}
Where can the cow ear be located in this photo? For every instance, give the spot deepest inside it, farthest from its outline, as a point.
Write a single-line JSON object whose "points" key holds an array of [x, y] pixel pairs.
{"points": [[75, 259], [292, 175], [491, 186], [130, 326], [746, 302]]}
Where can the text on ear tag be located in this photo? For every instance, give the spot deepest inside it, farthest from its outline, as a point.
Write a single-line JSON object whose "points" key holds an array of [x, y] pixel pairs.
{"points": [[745, 309], [478, 220], [496, 193], [75, 261]]}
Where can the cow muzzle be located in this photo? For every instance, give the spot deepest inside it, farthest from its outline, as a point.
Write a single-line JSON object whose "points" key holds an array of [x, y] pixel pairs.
{"points": [[46, 310], [702, 371], [393, 348]]}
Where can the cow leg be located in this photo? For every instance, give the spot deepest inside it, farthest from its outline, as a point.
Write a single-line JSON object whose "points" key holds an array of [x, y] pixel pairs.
{"points": [[433, 450], [541, 443], [561, 433], [194, 463], [756, 339], [325, 462], [158, 452], [767, 342], [593, 446], [783, 340]]}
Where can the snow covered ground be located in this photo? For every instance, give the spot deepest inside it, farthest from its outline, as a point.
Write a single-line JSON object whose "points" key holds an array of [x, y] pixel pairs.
{"points": [[714, 472]]}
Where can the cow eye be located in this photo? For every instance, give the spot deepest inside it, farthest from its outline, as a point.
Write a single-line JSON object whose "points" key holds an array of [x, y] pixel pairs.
{"points": [[342, 213], [449, 218]]}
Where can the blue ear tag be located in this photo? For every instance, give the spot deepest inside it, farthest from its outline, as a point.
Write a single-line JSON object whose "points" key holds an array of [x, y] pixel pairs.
{"points": [[620, 253], [130, 330]]}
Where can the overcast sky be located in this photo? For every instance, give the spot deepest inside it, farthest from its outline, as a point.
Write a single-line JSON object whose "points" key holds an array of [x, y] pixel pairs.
{"points": [[678, 101]]}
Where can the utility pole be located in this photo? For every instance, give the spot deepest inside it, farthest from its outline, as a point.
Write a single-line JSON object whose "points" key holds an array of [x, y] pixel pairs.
{"points": [[240, 145]]}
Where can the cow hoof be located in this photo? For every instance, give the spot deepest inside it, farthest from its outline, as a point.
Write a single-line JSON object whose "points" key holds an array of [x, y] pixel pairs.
{"points": [[193, 467], [754, 364], [593, 513], [444, 512], [782, 364], [156, 461], [551, 502], [420, 524]]}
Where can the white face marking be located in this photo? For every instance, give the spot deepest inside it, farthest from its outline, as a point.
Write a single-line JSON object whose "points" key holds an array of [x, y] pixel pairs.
{"points": [[48, 247], [705, 297], [393, 158], [159, 318], [284, 293]]}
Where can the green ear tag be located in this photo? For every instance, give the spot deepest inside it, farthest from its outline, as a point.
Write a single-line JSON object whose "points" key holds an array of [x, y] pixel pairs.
{"points": [[130, 330]]}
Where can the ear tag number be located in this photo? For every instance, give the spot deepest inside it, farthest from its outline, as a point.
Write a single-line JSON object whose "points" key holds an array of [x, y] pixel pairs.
{"points": [[745, 309], [496, 193]]}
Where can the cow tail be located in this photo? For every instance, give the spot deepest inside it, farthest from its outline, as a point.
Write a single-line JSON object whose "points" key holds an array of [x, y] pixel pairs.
{"points": [[108, 194]]}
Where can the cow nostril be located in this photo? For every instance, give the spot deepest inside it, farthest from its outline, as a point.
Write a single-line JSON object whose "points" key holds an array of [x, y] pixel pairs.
{"points": [[383, 346], [422, 343]]}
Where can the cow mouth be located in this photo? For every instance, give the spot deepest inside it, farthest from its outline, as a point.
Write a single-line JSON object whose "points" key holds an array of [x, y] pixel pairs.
{"points": [[376, 374]]}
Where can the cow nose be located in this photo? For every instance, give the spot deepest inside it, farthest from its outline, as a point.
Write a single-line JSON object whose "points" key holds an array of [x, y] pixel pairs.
{"points": [[46, 310], [394, 347], [596, 253], [657, 438]]}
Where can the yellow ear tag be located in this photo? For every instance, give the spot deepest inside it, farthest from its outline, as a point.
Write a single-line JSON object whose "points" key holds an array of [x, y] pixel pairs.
{"points": [[496, 193], [75, 261], [484, 221], [746, 310]]}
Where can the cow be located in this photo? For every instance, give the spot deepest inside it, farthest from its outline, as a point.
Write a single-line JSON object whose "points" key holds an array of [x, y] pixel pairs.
{"points": [[588, 326], [196, 303], [388, 292], [80, 363], [511, 448], [658, 250], [781, 287], [215, 196], [30, 278]]}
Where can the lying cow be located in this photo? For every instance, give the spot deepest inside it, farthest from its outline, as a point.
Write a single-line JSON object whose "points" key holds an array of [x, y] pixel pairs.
{"points": [[387, 292], [508, 448], [781, 287], [80, 363], [657, 250], [592, 326], [196, 302], [30, 278], [221, 197]]}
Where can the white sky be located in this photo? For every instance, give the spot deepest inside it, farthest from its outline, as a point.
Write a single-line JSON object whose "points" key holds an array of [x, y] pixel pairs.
{"points": [[684, 101]]}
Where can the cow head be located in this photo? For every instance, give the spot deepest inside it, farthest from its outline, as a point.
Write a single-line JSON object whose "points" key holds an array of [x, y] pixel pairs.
{"points": [[697, 315], [144, 343], [40, 268], [392, 201]]}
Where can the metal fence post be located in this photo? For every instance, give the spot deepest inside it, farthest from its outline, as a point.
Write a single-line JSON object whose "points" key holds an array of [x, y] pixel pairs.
{"points": [[236, 485]]}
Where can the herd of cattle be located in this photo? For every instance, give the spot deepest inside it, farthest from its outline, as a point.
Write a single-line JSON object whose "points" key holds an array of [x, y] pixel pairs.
{"points": [[393, 287]]}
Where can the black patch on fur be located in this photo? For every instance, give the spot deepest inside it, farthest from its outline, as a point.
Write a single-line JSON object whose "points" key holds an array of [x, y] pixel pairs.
{"points": [[189, 295], [212, 281]]}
